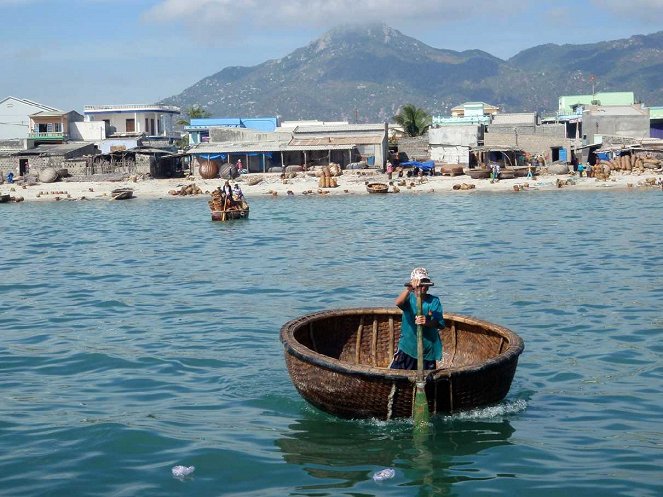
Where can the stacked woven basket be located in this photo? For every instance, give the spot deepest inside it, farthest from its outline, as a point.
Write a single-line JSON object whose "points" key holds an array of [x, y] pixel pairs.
{"points": [[326, 180], [634, 163]]}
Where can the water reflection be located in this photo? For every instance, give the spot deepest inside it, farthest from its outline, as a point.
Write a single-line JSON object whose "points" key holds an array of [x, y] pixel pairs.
{"points": [[345, 454]]}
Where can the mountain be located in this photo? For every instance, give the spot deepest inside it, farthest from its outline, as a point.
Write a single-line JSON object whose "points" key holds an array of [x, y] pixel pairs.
{"points": [[367, 73]]}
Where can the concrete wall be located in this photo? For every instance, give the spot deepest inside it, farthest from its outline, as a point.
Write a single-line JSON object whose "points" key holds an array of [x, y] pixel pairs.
{"points": [[451, 144], [38, 162], [15, 120], [538, 140], [416, 148], [631, 123], [87, 131]]}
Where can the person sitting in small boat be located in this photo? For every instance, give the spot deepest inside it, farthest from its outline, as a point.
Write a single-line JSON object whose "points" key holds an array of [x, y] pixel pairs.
{"points": [[237, 192], [431, 320]]}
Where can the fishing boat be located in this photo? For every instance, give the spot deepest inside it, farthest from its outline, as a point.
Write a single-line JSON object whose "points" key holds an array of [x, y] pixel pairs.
{"points": [[122, 194], [377, 188], [339, 362]]}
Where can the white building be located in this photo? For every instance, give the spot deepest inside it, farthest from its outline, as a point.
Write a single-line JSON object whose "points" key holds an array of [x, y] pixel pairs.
{"points": [[14, 116], [153, 121]]}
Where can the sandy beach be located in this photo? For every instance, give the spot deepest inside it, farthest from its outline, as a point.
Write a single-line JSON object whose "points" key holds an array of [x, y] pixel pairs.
{"points": [[352, 182]]}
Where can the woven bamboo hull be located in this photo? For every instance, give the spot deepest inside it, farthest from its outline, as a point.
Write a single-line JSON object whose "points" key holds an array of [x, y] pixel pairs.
{"points": [[338, 361], [377, 188], [230, 214], [478, 173]]}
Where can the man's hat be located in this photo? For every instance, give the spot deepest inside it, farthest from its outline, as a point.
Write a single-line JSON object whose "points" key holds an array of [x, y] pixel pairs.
{"points": [[421, 274]]}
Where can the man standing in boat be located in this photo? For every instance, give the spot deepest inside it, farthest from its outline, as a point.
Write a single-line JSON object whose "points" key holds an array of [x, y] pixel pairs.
{"points": [[430, 319]]}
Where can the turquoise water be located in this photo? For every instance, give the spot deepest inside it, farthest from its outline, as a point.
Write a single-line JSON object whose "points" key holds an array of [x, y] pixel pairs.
{"points": [[138, 335]]}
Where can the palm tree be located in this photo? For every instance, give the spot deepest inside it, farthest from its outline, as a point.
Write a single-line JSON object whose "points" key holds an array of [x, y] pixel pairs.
{"points": [[193, 112], [415, 121]]}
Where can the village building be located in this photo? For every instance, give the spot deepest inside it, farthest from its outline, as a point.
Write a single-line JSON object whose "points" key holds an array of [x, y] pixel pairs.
{"points": [[656, 122], [298, 147], [114, 127], [199, 128], [53, 126], [524, 131], [72, 157], [15, 116], [450, 138]]}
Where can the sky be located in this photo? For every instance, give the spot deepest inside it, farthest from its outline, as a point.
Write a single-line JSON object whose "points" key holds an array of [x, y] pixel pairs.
{"points": [[72, 53]]}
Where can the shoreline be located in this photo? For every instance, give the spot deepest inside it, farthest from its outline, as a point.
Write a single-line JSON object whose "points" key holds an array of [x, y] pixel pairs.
{"points": [[351, 182]]}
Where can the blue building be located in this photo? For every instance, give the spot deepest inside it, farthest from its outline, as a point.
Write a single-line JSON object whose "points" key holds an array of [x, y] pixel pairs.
{"points": [[199, 128]]}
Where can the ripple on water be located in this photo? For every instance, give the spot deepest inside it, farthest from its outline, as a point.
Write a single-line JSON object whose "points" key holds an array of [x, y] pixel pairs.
{"points": [[139, 335]]}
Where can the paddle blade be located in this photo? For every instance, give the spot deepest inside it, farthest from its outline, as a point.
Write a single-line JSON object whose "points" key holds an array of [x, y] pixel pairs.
{"points": [[420, 412]]}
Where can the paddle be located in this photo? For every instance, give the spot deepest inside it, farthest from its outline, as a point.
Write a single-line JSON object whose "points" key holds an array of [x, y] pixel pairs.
{"points": [[420, 412]]}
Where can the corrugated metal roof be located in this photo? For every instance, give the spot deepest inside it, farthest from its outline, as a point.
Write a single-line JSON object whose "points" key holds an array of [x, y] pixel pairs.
{"points": [[59, 149], [211, 148], [348, 128], [336, 140], [216, 148]]}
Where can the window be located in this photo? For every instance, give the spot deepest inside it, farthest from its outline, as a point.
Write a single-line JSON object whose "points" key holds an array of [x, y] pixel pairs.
{"points": [[130, 125]]}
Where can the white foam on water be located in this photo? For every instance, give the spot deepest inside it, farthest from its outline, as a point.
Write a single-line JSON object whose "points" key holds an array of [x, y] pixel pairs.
{"points": [[492, 412]]}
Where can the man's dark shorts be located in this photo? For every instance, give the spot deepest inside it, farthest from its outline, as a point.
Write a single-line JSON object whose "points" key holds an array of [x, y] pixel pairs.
{"points": [[403, 361]]}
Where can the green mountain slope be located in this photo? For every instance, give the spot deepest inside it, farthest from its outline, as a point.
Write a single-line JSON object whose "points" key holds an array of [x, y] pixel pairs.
{"points": [[368, 72]]}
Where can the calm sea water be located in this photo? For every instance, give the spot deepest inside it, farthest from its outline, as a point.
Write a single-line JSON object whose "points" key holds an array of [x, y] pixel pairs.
{"points": [[139, 335]]}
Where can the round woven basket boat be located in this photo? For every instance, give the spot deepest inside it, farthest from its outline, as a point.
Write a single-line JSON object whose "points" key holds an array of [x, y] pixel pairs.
{"points": [[339, 362]]}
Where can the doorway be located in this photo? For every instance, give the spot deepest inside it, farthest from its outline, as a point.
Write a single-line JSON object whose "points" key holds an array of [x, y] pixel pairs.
{"points": [[23, 167]]}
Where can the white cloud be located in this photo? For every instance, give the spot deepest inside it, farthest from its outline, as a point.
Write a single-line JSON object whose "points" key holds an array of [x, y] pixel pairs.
{"points": [[650, 11], [289, 14]]}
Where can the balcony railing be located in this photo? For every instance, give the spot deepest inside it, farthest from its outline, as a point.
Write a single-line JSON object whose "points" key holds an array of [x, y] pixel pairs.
{"points": [[135, 107], [50, 135]]}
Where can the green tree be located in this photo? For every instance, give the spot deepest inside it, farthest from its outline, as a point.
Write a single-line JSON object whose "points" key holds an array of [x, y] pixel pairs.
{"points": [[193, 112], [415, 121]]}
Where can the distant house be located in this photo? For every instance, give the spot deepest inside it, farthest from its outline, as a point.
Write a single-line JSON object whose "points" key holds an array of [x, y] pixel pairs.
{"points": [[157, 122], [472, 109], [568, 103], [343, 144], [199, 128], [523, 131], [614, 120], [52, 126], [656, 122], [451, 137], [72, 156], [451, 144], [15, 116]]}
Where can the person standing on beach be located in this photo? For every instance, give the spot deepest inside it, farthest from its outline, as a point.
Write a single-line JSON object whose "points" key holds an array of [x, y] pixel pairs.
{"points": [[431, 320], [390, 169]]}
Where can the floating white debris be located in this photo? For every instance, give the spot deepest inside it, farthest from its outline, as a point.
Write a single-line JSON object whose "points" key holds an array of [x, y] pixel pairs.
{"points": [[182, 471], [384, 474]]}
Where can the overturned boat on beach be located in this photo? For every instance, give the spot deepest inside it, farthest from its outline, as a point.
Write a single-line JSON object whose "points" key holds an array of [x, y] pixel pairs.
{"points": [[122, 194], [339, 362]]}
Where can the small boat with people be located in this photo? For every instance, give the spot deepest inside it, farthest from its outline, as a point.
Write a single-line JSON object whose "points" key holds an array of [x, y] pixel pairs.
{"points": [[225, 207], [377, 188], [339, 361], [122, 194]]}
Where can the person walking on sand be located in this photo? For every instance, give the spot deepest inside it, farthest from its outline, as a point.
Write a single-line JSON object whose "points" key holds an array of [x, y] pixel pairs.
{"points": [[390, 169], [430, 319]]}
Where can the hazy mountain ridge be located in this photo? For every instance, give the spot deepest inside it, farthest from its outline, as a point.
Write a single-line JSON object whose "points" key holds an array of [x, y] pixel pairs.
{"points": [[369, 72]]}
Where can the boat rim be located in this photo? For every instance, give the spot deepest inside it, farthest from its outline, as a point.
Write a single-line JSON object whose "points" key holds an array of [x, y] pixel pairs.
{"points": [[291, 345]]}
